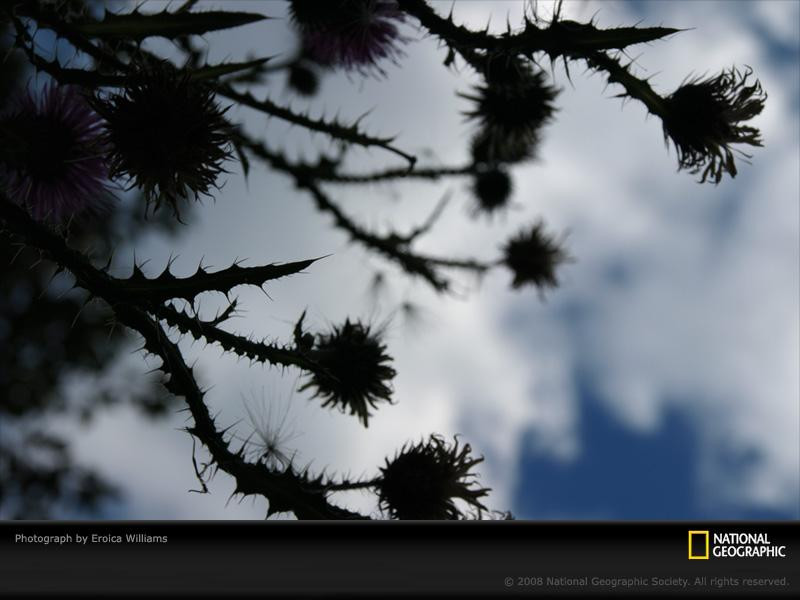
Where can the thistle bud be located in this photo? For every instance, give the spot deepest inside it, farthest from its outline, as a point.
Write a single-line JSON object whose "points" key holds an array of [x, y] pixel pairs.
{"points": [[51, 155], [353, 371], [492, 190], [704, 118], [167, 135], [533, 257], [354, 34], [511, 108], [425, 480], [303, 79], [488, 148]]}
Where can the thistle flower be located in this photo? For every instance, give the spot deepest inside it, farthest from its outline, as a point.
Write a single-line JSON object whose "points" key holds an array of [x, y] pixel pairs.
{"points": [[424, 480], [354, 34], [533, 257], [492, 190], [353, 371], [51, 155], [703, 118], [511, 108], [167, 134]]}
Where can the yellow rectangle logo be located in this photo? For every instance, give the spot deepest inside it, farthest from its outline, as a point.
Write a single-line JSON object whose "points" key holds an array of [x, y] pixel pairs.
{"points": [[692, 555]]}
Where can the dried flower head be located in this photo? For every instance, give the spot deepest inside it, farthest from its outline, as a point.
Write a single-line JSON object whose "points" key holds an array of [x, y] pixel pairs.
{"points": [[533, 257], [354, 34], [424, 481], [51, 155], [703, 118], [271, 433], [353, 373], [492, 190], [167, 134], [511, 108]]}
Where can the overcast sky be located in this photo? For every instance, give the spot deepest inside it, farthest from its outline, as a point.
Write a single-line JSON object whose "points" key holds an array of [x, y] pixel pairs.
{"points": [[659, 380]]}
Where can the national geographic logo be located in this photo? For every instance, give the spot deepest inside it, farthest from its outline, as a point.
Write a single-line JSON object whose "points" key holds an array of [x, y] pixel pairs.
{"points": [[703, 545]]}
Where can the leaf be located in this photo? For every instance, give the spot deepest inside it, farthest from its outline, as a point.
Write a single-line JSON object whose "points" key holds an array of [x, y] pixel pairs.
{"points": [[138, 26], [212, 71], [166, 286]]}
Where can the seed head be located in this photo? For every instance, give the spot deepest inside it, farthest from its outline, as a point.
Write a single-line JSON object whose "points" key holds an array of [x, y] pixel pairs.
{"points": [[268, 442], [353, 373], [533, 257], [704, 118], [167, 135], [424, 481], [354, 34], [52, 159]]}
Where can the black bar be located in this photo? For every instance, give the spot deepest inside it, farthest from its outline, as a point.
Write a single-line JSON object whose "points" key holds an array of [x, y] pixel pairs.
{"points": [[489, 559]]}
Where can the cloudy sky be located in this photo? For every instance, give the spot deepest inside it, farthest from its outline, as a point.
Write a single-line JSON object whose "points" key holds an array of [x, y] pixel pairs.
{"points": [[659, 381]]}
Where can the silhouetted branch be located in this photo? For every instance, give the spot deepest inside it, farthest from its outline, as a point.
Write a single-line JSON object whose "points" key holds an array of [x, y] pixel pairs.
{"points": [[431, 173], [561, 38], [638, 89], [393, 246], [287, 490], [348, 133], [256, 351]]}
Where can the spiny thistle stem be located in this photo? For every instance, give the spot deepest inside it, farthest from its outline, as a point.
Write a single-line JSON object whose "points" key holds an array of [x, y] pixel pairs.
{"points": [[257, 351], [285, 490], [337, 130], [347, 486], [636, 88], [561, 38], [460, 39], [392, 246], [430, 173]]}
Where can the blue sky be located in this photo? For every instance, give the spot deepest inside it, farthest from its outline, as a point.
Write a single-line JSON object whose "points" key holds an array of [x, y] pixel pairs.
{"points": [[659, 381]]}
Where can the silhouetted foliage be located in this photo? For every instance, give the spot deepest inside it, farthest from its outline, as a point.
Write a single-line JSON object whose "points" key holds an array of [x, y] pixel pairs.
{"points": [[122, 115]]}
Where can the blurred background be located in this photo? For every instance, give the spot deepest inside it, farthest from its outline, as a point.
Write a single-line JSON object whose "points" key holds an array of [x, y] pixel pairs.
{"points": [[658, 381]]}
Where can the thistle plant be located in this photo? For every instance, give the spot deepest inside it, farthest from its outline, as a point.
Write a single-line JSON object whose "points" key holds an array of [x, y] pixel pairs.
{"points": [[53, 157], [511, 108], [354, 373], [706, 117], [533, 257], [161, 126], [165, 133], [492, 189], [425, 480], [353, 34]]}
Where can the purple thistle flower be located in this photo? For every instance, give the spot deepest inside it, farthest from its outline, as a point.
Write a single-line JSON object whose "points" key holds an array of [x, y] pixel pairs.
{"points": [[354, 34], [51, 159]]}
